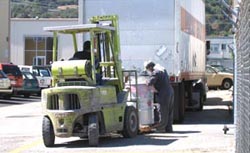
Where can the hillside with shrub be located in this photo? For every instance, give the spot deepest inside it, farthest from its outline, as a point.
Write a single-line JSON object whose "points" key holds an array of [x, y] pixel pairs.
{"points": [[216, 23], [44, 8]]}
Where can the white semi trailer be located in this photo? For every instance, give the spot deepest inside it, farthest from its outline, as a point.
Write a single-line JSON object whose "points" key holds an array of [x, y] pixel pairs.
{"points": [[168, 32]]}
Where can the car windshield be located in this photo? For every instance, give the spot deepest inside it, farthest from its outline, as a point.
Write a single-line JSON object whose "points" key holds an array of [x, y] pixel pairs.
{"points": [[2, 74], [25, 69], [41, 72], [44, 72], [13, 70], [27, 75], [218, 67], [212, 70]]}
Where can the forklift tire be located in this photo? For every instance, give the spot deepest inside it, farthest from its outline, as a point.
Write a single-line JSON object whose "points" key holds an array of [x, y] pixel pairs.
{"points": [[48, 132], [131, 124], [93, 130]]}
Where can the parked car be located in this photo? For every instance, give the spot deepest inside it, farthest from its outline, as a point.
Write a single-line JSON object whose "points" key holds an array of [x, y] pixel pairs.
{"points": [[5, 86], [222, 68], [215, 78], [42, 74], [30, 85], [14, 74]]}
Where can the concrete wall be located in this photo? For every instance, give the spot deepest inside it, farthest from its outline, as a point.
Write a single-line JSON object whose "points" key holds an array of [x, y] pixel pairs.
{"points": [[243, 80], [4, 30], [21, 28]]}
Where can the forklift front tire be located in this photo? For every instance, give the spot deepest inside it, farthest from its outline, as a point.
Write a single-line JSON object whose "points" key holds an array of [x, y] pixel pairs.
{"points": [[48, 132], [131, 124]]}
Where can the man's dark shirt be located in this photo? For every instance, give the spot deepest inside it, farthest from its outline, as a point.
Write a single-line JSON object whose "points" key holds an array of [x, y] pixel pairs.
{"points": [[82, 55], [158, 80]]}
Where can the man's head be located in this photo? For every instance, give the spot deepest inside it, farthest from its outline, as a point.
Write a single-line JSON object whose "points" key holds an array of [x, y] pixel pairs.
{"points": [[150, 66], [86, 46]]}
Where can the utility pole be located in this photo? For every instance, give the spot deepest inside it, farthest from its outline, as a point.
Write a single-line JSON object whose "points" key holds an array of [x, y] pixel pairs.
{"points": [[5, 31]]}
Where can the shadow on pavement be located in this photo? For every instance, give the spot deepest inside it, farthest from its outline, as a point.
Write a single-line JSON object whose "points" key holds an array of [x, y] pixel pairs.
{"points": [[8, 102], [17, 100], [217, 102], [213, 116], [157, 139], [215, 111], [185, 132], [140, 140], [22, 116]]}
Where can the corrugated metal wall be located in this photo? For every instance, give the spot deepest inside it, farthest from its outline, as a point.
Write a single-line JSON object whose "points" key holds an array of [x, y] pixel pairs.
{"points": [[243, 80]]}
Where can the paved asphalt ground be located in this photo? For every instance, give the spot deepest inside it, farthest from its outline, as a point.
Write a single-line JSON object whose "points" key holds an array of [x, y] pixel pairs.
{"points": [[21, 119]]}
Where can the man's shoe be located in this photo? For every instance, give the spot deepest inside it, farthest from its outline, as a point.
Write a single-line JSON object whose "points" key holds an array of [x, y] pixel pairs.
{"points": [[145, 129], [155, 125]]}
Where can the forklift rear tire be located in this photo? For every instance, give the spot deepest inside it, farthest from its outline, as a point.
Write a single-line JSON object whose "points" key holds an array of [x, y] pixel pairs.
{"points": [[93, 130], [131, 124], [48, 132]]}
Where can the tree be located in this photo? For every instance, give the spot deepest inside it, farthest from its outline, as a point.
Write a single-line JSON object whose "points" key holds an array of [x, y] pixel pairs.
{"points": [[216, 23]]}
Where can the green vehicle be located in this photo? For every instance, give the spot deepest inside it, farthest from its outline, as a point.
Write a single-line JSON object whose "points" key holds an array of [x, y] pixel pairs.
{"points": [[30, 85], [77, 104]]}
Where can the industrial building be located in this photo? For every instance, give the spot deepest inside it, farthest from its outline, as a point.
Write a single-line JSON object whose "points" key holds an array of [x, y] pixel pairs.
{"points": [[31, 45], [221, 51]]}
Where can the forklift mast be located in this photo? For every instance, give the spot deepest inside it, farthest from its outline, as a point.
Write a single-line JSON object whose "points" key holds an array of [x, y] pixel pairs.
{"points": [[104, 68], [109, 49]]}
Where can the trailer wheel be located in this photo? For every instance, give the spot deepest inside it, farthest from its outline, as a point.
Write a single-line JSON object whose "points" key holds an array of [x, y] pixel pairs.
{"points": [[131, 124], [181, 101], [48, 132], [201, 101], [201, 89], [93, 130]]}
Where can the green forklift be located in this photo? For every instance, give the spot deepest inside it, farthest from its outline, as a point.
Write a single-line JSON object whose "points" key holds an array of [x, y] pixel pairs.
{"points": [[82, 104]]}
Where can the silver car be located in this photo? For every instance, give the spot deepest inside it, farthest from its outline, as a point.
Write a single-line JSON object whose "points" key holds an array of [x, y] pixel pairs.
{"points": [[5, 86]]}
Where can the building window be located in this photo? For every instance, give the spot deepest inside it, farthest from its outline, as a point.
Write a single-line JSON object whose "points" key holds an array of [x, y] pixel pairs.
{"points": [[38, 50], [223, 46], [215, 48]]}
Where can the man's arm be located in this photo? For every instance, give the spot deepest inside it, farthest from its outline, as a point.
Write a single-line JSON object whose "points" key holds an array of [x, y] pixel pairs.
{"points": [[152, 81]]}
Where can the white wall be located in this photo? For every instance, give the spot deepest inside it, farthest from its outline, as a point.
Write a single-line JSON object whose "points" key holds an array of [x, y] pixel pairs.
{"points": [[150, 30], [21, 28], [145, 27]]}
